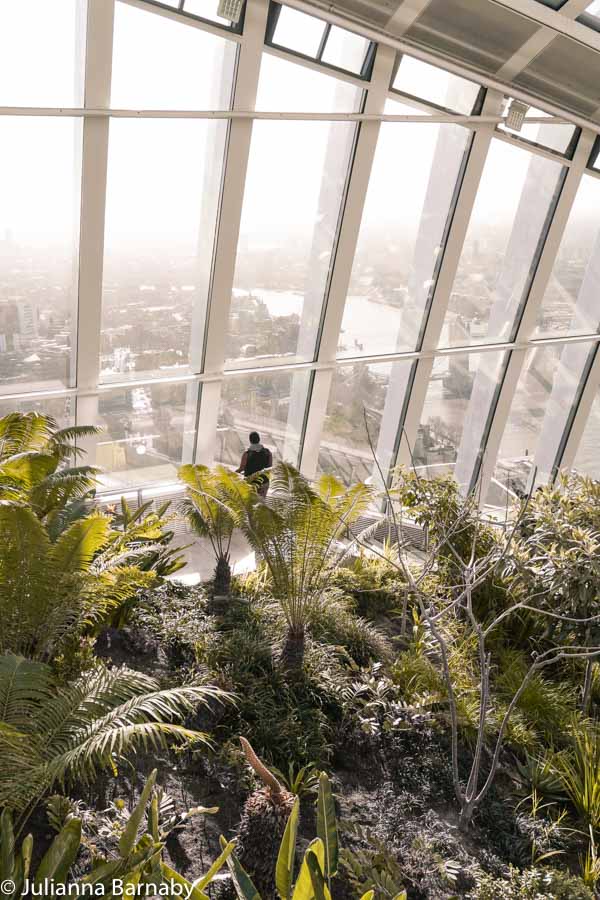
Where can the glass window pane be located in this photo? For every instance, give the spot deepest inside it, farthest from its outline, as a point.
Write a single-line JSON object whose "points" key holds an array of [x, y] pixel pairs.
{"points": [[41, 53], [516, 194], [162, 64], [273, 404], [570, 305], [298, 31], [545, 397], [420, 79], [377, 392], [147, 432], [62, 409], [593, 9], [554, 137], [402, 235], [461, 391], [285, 87], [587, 459], [39, 239], [160, 225], [293, 193], [205, 9], [345, 49]]}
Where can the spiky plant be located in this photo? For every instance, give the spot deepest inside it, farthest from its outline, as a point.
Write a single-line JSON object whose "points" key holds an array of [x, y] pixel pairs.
{"points": [[52, 593], [262, 825], [52, 733], [37, 466], [298, 533], [208, 511]]}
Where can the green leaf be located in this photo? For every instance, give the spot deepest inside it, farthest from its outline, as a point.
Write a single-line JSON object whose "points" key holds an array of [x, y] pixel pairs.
{"points": [[284, 871], [303, 889], [7, 845], [61, 854], [128, 838], [26, 854], [320, 889], [191, 891], [327, 826], [153, 819], [202, 882], [243, 884]]}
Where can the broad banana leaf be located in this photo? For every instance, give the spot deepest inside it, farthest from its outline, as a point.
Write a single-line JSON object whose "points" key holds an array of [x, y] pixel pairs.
{"points": [[284, 871], [61, 854], [327, 826]]}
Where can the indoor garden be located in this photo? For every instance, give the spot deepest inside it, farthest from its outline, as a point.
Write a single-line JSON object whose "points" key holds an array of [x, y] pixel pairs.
{"points": [[354, 717]]}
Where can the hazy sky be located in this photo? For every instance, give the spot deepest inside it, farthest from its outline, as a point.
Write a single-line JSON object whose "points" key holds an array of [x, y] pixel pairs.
{"points": [[158, 169]]}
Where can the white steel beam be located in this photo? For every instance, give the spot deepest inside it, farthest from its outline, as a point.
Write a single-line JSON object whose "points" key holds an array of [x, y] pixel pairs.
{"points": [[407, 13], [232, 196], [358, 184], [531, 309], [445, 279], [98, 66]]}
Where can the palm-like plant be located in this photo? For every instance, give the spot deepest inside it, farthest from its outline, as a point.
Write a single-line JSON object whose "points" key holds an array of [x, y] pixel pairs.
{"points": [[297, 533], [52, 593], [207, 508], [51, 732], [36, 465]]}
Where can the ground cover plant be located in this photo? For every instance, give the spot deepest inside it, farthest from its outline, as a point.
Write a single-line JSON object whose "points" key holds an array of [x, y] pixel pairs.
{"points": [[352, 719]]}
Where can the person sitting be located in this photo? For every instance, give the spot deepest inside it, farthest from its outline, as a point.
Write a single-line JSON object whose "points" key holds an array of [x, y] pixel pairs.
{"points": [[254, 461]]}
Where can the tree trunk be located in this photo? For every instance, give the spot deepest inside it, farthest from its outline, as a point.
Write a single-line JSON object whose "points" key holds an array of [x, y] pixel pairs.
{"points": [[292, 653], [222, 577]]}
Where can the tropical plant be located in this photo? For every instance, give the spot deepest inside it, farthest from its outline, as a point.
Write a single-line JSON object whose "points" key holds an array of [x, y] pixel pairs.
{"points": [[53, 593], [321, 860], [142, 536], [52, 732], [136, 868], [298, 534], [208, 511], [579, 772], [474, 563], [560, 532], [36, 467]]}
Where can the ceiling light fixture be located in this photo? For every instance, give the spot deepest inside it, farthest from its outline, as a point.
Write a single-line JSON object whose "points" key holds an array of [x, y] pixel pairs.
{"points": [[515, 114], [230, 9]]}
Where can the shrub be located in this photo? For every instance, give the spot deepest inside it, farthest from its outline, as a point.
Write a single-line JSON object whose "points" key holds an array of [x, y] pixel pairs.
{"points": [[532, 884]]}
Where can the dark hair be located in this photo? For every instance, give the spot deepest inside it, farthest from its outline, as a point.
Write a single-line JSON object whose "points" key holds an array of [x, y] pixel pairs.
{"points": [[254, 437]]}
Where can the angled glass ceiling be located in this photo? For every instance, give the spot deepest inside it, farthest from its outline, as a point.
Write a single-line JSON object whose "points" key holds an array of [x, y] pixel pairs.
{"points": [[282, 226]]}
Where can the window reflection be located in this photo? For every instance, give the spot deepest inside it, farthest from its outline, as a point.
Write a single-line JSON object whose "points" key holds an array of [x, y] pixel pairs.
{"points": [[365, 404], [546, 397], [160, 227], [453, 425], [292, 202], [402, 235], [147, 432], [273, 404], [39, 243], [570, 305], [159, 63], [61, 409], [435, 85], [516, 195], [41, 53], [587, 458]]}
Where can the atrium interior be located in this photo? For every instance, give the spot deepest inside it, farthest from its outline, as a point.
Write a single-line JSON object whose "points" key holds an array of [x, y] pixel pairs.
{"points": [[329, 223]]}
